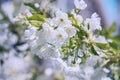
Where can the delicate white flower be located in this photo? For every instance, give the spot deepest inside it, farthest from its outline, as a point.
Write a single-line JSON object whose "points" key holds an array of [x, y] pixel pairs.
{"points": [[48, 33], [93, 38], [61, 15], [101, 39], [59, 64], [45, 51], [33, 43], [50, 53], [70, 30], [60, 19], [60, 37], [28, 13], [80, 4], [67, 70], [93, 60], [36, 5], [31, 33], [77, 17], [93, 23]]}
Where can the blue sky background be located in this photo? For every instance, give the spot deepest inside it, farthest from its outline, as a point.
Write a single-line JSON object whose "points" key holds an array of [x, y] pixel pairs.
{"points": [[110, 9]]}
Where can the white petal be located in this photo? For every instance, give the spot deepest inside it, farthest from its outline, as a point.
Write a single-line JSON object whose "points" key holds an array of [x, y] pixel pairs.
{"points": [[100, 39]]}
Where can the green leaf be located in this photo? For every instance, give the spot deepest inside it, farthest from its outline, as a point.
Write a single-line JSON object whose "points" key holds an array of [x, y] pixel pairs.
{"points": [[93, 51], [102, 46], [31, 5], [116, 38], [112, 28], [37, 20], [36, 23], [105, 33], [114, 45], [37, 17], [82, 34], [108, 33]]}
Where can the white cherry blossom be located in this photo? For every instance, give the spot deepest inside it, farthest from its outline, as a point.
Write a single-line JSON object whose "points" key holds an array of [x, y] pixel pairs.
{"points": [[93, 23], [80, 4]]}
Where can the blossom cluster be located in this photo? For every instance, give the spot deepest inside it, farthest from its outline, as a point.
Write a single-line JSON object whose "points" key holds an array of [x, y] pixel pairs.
{"points": [[76, 47]]}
